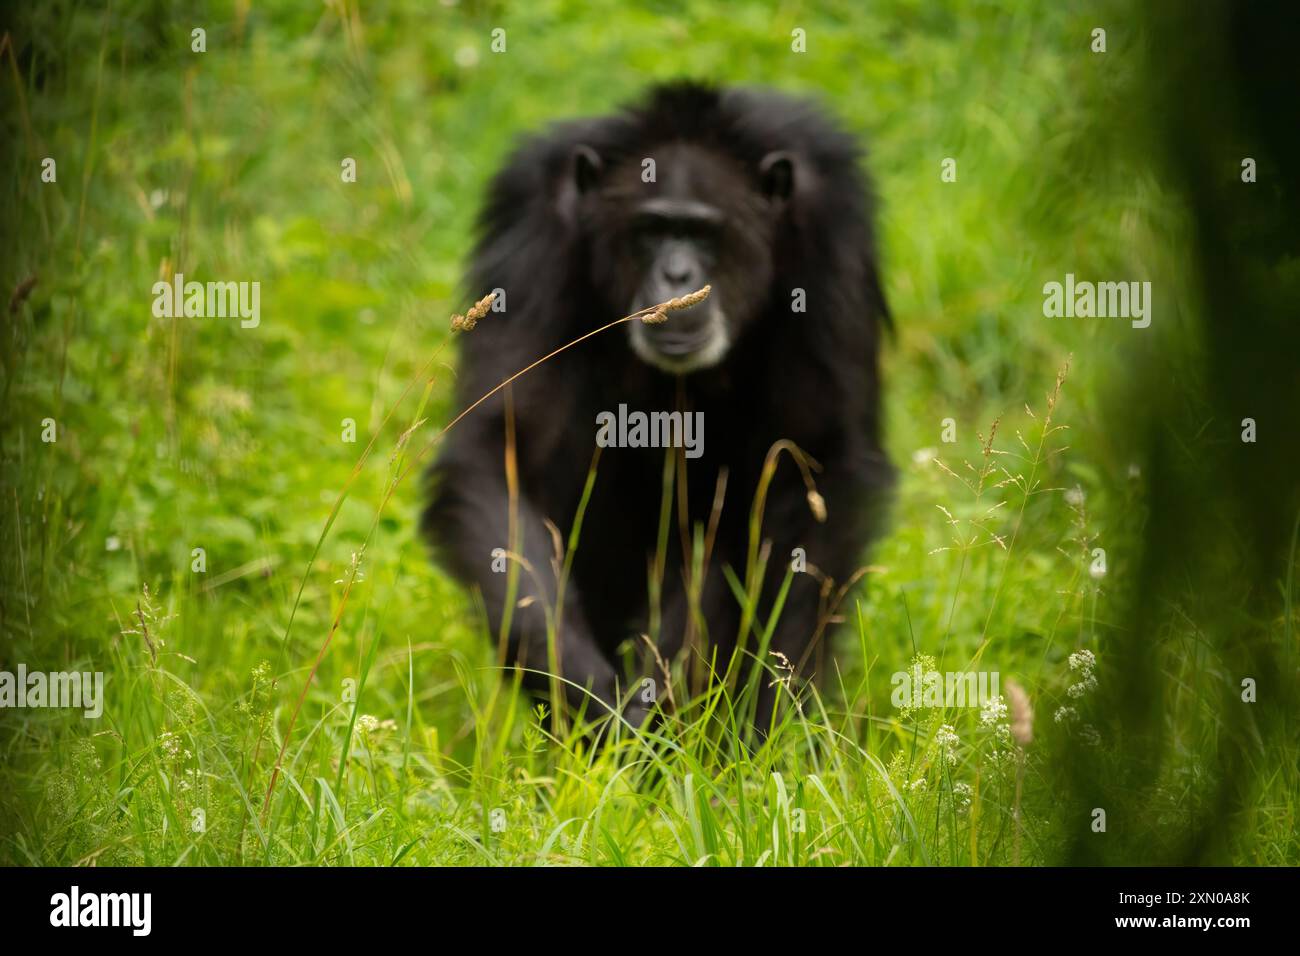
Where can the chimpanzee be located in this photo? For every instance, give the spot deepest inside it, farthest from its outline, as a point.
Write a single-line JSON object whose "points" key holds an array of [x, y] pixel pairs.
{"points": [[763, 198]]}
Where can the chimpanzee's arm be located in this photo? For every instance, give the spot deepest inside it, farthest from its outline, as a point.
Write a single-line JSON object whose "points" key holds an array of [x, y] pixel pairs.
{"points": [[469, 519]]}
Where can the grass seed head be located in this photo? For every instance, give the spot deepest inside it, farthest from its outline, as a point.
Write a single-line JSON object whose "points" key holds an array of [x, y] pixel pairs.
{"points": [[688, 300], [660, 312], [1022, 714], [466, 322]]}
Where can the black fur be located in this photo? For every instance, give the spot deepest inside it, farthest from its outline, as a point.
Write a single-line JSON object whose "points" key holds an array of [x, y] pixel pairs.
{"points": [[811, 378]]}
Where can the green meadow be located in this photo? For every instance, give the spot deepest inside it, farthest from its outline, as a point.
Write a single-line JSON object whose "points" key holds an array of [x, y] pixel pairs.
{"points": [[289, 679]]}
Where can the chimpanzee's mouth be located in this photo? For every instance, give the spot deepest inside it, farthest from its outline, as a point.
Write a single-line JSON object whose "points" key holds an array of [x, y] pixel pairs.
{"points": [[680, 343], [680, 350], [686, 331]]}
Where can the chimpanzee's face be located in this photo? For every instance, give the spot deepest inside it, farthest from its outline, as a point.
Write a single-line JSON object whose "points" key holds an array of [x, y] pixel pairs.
{"points": [[702, 220]]}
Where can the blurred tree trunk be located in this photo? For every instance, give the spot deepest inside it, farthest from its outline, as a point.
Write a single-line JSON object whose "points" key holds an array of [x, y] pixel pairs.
{"points": [[1220, 83]]}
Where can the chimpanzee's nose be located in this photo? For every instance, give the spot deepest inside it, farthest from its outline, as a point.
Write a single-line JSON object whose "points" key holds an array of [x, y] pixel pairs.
{"points": [[680, 269]]}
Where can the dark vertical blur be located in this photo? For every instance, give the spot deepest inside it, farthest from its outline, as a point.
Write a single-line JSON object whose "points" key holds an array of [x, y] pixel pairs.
{"points": [[1220, 82]]}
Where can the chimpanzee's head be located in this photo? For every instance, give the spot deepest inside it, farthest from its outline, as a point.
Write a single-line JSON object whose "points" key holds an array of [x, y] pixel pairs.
{"points": [[694, 216]]}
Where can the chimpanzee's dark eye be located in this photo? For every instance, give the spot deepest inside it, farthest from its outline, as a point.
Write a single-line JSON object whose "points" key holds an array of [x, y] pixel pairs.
{"points": [[700, 230], [651, 224]]}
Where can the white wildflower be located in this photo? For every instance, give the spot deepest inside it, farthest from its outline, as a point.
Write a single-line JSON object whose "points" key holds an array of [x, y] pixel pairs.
{"points": [[993, 712], [947, 741]]}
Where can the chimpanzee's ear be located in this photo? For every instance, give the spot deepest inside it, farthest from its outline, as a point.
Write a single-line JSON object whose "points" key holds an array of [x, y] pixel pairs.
{"points": [[586, 167], [581, 172], [776, 174]]}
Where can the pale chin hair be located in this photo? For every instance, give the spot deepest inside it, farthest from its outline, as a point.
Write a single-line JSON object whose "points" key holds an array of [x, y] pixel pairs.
{"points": [[711, 354]]}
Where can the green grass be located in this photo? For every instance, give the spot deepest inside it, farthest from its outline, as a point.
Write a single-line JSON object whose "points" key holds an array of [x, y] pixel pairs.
{"points": [[183, 434]]}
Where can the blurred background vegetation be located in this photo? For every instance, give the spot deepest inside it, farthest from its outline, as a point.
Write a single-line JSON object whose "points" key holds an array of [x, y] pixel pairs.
{"points": [[180, 434]]}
